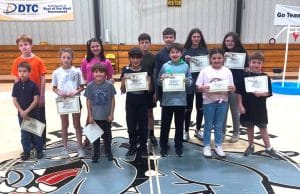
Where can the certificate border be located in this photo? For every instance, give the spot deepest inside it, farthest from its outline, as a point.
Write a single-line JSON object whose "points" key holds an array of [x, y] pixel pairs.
{"points": [[140, 89], [265, 80], [30, 131], [200, 57], [239, 55], [71, 112], [174, 90]]}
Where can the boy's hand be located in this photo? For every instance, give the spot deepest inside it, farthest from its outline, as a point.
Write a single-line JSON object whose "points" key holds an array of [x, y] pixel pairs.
{"points": [[110, 118], [24, 114], [91, 120], [259, 94]]}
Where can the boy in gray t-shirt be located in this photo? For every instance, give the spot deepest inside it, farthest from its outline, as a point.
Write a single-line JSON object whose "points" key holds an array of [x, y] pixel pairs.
{"points": [[101, 104]]}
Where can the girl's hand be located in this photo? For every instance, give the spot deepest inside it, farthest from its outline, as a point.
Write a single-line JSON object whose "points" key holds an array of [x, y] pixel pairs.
{"points": [[187, 58], [205, 88], [231, 88], [242, 109]]}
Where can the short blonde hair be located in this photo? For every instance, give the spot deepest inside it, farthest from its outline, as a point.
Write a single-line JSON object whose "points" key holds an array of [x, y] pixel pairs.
{"points": [[24, 38]]}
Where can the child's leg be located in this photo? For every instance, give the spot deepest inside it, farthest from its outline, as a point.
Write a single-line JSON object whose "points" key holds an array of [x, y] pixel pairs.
{"points": [[250, 134], [166, 118], [107, 137], [188, 111], [209, 116], [131, 120], [265, 137], [64, 128], [179, 120], [143, 125], [220, 113], [78, 128], [199, 108]]}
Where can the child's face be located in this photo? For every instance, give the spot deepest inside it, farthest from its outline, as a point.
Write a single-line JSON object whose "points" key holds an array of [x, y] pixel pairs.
{"points": [[99, 75], [255, 65], [135, 61], [169, 39], [95, 48], [66, 60], [25, 48], [144, 45], [229, 42], [217, 60], [195, 38], [175, 55], [23, 73]]}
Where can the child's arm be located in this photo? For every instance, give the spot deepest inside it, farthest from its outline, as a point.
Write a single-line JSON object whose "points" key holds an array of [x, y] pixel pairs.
{"points": [[89, 109], [149, 83], [259, 94], [75, 92], [112, 110], [240, 104], [58, 92], [42, 91], [123, 89], [24, 113]]}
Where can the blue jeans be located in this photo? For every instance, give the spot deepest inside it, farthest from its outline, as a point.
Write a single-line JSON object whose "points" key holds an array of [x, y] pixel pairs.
{"points": [[214, 115]]}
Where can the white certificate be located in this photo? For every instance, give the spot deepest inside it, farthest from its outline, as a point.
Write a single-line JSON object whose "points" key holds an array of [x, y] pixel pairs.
{"points": [[33, 126], [197, 63], [92, 132], [174, 82], [235, 60], [218, 86], [136, 82], [68, 105], [257, 84]]}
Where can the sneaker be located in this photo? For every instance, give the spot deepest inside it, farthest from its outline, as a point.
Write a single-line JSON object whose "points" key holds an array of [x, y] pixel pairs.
{"points": [[131, 151], [179, 152], [273, 154], [235, 137], [164, 152], [81, 153], [109, 156], [95, 158], [186, 136], [207, 151], [64, 153], [249, 150], [39, 155], [25, 156], [198, 134], [219, 151], [153, 140], [144, 152]]}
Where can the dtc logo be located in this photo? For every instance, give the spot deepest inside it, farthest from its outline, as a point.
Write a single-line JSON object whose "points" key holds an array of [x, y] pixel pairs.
{"points": [[21, 8]]}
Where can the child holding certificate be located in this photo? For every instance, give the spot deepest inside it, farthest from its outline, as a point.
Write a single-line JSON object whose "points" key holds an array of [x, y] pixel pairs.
{"points": [[67, 82], [232, 44], [253, 107], [26, 99], [101, 105], [194, 48], [136, 102], [215, 82], [174, 99]]}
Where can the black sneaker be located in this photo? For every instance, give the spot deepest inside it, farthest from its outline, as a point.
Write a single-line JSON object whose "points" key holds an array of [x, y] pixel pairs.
{"points": [[39, 155], [109, 156], [249, 150], [25, 156], [179, 152], [131, 151], [95, 158], [273, 153], [164, 152], [153, 140]]}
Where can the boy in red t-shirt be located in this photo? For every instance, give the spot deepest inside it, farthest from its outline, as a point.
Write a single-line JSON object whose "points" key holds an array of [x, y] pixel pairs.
{"points": [[37, 75]]}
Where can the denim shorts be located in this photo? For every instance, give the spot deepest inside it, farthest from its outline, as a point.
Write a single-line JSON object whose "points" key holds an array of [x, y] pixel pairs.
{"points": [[249, 124]]}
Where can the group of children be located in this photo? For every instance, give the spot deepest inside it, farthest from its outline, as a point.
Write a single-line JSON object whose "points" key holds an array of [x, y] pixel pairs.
{"points": [[96, 72]]}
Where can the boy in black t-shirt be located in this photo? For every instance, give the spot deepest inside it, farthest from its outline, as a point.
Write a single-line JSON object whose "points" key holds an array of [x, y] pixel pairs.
{"points": [[253, 108], [136, 105]]}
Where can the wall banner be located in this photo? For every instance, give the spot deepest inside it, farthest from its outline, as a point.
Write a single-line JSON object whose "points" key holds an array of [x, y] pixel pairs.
{"points": [[287, 15], [36, 10]]}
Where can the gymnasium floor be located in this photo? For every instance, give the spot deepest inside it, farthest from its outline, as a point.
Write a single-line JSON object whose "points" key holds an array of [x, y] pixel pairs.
{"points": [[190, 174]]}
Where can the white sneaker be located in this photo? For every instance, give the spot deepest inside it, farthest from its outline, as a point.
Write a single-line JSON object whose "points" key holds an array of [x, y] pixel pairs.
{"points": [[186, 136], [81, 153], [219, 151], [198, 134], [64, 153], [207, 151]]}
